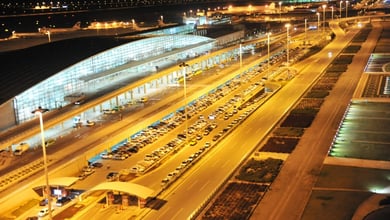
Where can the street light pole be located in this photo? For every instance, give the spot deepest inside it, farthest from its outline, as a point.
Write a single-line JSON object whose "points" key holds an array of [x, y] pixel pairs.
{"points": [[280, 11], [318, 21], [184, 65], [268, 42], [346, 9], [48, 36], [287, 44], [305, 31], [39, 112], [240, 56], [287, 49], [332, 11], [323, 10], [341, 8]]}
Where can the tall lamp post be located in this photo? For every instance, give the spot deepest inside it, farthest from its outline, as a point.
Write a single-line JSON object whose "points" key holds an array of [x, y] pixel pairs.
{"points": [[323, 10], [47, 190], [318, 21], [240, 56], [305, 31], [346, 9], [268, 61], [48, 35], [280, 11], [332, 11], [287, 44], [287, 49], [341, 8], [184, 66]]}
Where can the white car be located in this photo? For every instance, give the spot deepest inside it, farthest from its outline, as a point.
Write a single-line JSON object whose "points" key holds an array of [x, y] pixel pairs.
{"points": [[44, 212]]}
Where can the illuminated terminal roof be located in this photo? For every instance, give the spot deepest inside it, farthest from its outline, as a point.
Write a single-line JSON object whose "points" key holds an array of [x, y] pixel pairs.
{"points": [[55, 73], [22, 69]]}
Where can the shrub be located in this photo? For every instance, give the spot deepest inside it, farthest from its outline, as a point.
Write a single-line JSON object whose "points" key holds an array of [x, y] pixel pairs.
{"points": [[280, 145], [307, 103], [352, 49], [344, 59], [309, 111], [332, 74], [337, 68], [260, 170], [289, 132], [317, 94], [298, 120], [237, 201]]}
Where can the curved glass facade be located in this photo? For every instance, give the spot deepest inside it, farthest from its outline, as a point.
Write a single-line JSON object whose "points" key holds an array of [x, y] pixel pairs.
{"points": [[114, 64]]}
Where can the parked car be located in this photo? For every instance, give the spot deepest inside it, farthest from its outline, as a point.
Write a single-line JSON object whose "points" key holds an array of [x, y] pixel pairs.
{"points": [[216, 137], [193, 142], [90, 123], [111, 176], [106, 156], [164, 181], [62, 201], [118, 157], [44, 202], [79, 102], [144, 99], [45, 211], [97, 165]]}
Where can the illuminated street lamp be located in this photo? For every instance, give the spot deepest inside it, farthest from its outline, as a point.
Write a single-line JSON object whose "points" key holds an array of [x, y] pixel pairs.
{"points": [[184, 66], [318, 21], [268, 61], [280, 11], [332, 11], [240, 51], [39, 112], [341, 7], [288, 50], [305, 31], [323, 10], [346, 9], [250, 9], [48, 35], [288, 42]]}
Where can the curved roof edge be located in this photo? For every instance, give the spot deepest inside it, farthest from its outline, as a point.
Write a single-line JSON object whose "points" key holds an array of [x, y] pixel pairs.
{"points": [[130, 188], [59, 181]]}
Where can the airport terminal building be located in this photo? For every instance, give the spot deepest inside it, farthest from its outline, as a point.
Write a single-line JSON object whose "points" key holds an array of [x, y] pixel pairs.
{"points": [[137, 59]]}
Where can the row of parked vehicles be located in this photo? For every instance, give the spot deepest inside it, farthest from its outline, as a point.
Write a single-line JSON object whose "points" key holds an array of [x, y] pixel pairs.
{"points": [[185, 164], [150, 134], [246, 98], [59, 203]]}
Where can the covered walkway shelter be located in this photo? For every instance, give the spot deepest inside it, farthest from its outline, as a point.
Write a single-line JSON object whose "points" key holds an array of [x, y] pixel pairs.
{"points": [[59, 186], [141, 192]]}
